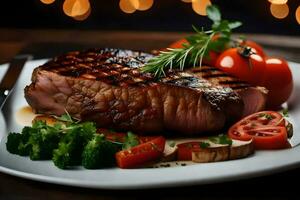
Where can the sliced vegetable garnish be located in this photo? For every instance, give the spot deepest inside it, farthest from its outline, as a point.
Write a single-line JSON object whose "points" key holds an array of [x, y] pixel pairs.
{"points": [[185, 150], [266, 128], [141, 154]]}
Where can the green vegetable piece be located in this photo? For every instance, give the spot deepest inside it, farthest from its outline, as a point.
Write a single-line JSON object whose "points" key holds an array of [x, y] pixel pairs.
{"points": [[43, 141], [61, 156], [65, 118], [99, 153], [70, 148], [204, 144], [131, 140], [172, 143], [221, 139], [224, 139], [285, 112], [24, 147], [13, 141], [213, 13]]}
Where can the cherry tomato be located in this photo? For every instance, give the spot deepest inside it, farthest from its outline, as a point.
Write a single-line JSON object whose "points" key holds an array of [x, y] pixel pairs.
{"points": [[266, 128], [178, 44], [248, 68], [278, 80], [184, 151], [256, 48], [141, 154]]}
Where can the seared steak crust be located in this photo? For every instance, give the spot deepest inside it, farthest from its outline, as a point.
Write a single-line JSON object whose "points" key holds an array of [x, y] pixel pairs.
{"points": [[108, 87]]}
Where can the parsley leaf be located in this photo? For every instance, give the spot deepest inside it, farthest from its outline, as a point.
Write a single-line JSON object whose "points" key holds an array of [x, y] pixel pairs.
{"points": [[131, 140], [172, 143], [213, 13], [285, 112], [204, 144], [221, 139]]}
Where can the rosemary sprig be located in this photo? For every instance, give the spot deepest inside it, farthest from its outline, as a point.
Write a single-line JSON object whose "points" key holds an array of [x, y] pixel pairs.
{"points": [[196, 49]]}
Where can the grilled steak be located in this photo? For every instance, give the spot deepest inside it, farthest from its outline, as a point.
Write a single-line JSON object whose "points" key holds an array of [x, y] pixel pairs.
{"points": [[107, 86]]}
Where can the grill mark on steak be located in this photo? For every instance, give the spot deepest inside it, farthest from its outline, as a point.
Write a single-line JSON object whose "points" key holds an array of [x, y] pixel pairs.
{"points": [[107, 86]]}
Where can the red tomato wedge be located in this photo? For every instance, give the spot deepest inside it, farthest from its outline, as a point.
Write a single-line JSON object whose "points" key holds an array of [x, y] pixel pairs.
{"points": [[141, 154], [184, 151], [266, 128]]}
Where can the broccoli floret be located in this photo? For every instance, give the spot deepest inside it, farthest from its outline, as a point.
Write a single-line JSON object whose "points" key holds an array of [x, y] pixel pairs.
{"points": [[13, 141], [61, 156], [99, 153], [42, 141], [71, 146], [24, 147]]}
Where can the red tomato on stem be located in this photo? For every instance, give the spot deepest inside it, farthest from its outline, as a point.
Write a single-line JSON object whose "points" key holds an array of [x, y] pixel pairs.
{"points": [[256, 48], [248, 68]]}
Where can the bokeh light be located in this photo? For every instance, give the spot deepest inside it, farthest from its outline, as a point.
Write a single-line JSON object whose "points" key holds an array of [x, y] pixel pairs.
{"points": [[278, 1], [145, 4], [126, 6], [279, 11], [47, 1], [199, 6], [187, 1], [298, 14], [84, 16], [74, 8]]}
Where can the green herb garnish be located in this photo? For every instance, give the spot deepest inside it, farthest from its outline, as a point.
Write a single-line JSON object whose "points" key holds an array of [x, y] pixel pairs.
{"points": [[267, 116], [131, 140], [198, 46], [204, 145], [172, 143], [221, 139]]}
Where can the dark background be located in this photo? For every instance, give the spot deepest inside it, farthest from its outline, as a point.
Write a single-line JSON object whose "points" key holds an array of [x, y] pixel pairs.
{"points": [[164, 15]]}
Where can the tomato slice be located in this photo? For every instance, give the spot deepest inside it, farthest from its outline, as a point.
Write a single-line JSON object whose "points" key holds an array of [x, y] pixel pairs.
{"points": [[266, 128], [141, 154], [184, 151]]}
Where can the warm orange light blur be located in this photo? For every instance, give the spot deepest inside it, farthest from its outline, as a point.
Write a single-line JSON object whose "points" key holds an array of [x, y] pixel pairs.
{"points": [[83, 17], [187, 1], [126, 6], [278, 1], [135, 3], [279, 11], [47, 1], [145, 4], [298, 14], [199, 6], [75, 8]]}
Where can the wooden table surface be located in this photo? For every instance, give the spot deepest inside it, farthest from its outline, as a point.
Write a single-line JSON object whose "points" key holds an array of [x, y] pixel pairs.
{"points": [[46, 43]]}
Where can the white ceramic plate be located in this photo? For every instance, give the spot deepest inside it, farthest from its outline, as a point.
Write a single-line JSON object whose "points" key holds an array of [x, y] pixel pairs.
{"points": [[262, 163]]}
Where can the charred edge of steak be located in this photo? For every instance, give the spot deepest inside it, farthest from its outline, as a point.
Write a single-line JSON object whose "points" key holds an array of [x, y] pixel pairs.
{"points": [[254, 98]]}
